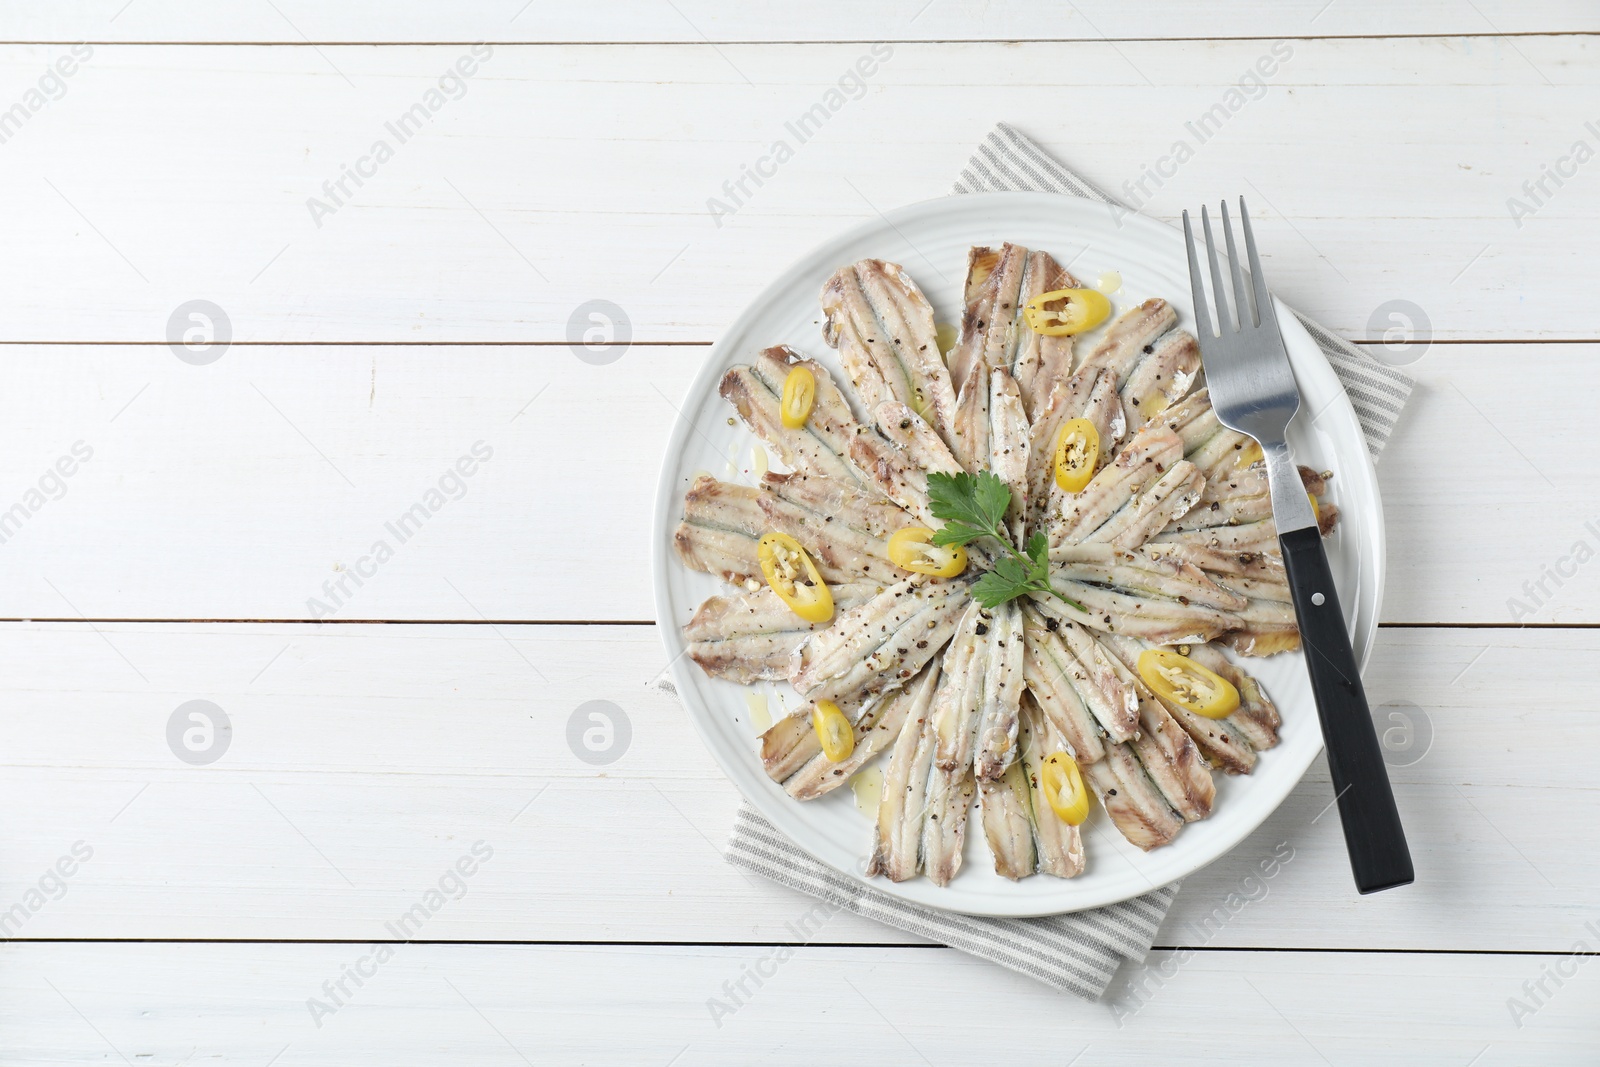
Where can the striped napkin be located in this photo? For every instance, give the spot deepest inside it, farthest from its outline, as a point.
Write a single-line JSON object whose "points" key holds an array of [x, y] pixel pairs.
{"points": [[1077, 953]]}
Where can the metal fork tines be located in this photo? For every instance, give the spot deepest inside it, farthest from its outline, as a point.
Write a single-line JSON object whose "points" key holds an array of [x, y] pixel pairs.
{"points": [[1246, 365]]}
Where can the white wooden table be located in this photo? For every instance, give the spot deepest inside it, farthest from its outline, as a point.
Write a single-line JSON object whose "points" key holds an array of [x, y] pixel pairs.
{"points": [[424, 309]]}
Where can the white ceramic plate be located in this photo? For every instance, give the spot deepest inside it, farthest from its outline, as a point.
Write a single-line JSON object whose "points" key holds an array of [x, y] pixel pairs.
{"points": [[931, 240]]}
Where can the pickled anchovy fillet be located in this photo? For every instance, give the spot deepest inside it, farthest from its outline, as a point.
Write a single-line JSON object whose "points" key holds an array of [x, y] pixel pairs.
{"points": [[1221, 741], [1237, 496], [1002, 693], [1195, 423], [1172, 760], [1132, 801], [875, 732], [1266, 628], [1257, 589], [829, 537], [1008, 450], [1168, 370], [903, 810], [1151, 509], [1137, 571], [789, 744], [1256, 562], [1167, 753], [727, 554], [790, 749], [1257, 717], [723, 522], [969, 430], [1105, 690], [883, 327], [864, 512], [880, 645], [751, 636], [860, 631], [1126, 340], [1089, 394], [944, 833], [1142, 462], [900, 468], [820, 447], [1052, 674], [1231, 498], [958, 704], [1006, 812], [1247, 549], [994, 330], [1166, 622], [1058, 846], [909, 432]]}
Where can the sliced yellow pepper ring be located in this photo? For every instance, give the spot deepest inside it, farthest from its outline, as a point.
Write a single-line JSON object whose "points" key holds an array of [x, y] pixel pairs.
{"points": [[799, 394], [1084, 309], [1187, 684], [834, 732], [1316, 508], [912, 549], [792, 575], [1077, 452], [1063, 788]]}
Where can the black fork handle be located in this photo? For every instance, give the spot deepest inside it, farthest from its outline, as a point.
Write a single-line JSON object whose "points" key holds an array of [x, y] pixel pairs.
{"points": [[1373, 835]]}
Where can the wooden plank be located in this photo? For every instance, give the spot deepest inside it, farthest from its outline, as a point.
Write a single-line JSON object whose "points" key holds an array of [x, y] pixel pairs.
{"points": [[364, 761], [566, 175], [369, 21], [247, 1004], [220, 491]]}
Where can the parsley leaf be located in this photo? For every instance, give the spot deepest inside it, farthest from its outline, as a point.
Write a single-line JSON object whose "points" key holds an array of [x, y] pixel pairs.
{"points": [[974, 506], [1039, 550], [992, 497], [994, 588], [956, 533], [953, 497]]}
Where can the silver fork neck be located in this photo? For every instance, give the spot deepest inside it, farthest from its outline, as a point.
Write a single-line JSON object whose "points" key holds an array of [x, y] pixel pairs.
{"points": [[1291, 508]]}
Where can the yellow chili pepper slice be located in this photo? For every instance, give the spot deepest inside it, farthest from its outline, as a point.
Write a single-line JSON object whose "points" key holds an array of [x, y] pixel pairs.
{"points": [[1084, 309], [834, 732], [1316, 508], [912, 549], [1077, 452], [799, 394], [1062, 785], [1187, 683], [792, 575]]}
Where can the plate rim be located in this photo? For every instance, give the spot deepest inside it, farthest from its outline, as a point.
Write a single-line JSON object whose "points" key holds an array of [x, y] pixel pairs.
{"points": [[765, 796]]}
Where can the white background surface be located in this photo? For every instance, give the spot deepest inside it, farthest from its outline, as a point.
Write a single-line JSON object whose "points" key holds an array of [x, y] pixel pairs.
{"points": [[427, 313]]}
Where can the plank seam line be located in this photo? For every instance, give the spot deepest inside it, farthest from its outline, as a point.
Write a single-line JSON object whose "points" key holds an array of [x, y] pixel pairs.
{"points": [[701, 43], [651, 622], [652, 344], [469, 943], [346, 622]]}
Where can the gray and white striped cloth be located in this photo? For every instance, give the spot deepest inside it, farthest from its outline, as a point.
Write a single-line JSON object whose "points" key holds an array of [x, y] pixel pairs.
{"points": [[1077, 953]]}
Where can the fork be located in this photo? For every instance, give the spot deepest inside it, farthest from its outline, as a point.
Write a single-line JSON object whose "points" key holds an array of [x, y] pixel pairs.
{"points": [[1253, 391]]}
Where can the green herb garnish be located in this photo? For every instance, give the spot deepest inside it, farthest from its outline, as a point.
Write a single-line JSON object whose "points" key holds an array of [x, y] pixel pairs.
{"points": [[974, 506]]}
